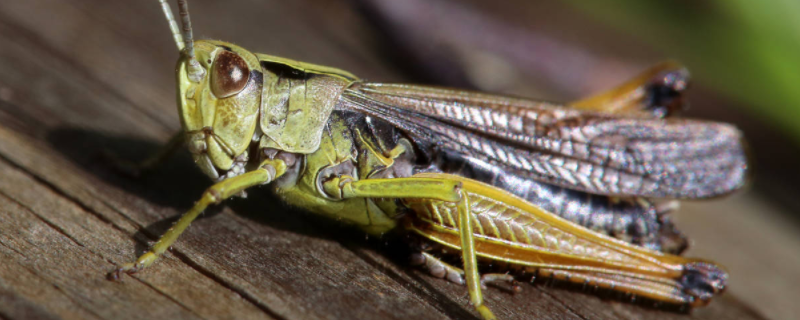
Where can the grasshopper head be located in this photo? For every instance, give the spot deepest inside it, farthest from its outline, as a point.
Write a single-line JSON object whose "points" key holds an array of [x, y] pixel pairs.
{"points": [[218, 101], [219, 95]]}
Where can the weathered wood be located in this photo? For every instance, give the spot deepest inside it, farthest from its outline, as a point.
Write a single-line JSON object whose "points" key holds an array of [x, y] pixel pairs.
{"points": [[77, 77]]}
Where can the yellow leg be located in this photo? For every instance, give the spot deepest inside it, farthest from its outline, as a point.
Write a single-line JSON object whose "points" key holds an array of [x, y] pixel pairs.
{"points": [[594, 259], [267, 172], [470, 259], [655, 91], [344, 187], [136, 169], [423, 188]]}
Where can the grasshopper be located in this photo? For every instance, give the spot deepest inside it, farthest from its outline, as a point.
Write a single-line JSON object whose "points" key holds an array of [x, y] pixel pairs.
{"points": [[578, 192]]}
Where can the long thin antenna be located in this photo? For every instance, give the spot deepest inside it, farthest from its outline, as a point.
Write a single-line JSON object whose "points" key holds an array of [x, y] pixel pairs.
{"points": [[173, 25], [183, 10], [183, 38]]}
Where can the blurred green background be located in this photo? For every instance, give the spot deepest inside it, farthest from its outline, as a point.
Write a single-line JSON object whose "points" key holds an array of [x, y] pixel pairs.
{"points": [[748, 50]]}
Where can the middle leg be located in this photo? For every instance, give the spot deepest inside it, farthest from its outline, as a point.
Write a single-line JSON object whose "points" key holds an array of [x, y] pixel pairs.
{"points": [[440, 269]]}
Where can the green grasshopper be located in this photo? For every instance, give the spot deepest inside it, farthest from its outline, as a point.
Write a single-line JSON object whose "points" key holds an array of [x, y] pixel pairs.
{"points": [[577, 192]]}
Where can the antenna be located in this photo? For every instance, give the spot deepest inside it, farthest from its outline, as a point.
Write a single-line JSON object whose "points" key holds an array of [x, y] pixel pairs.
{"points": [[173, 26], [183, 38]]}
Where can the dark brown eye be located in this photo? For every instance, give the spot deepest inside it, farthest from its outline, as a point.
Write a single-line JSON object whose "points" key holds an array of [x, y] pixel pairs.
{"points": [[229, 74]]}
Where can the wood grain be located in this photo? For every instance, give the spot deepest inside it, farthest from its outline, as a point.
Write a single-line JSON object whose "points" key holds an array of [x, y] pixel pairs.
{"points": [[78, 77]]}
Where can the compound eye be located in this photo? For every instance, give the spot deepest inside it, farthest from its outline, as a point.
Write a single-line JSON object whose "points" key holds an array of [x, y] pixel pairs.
{"points": [[229, 74]]}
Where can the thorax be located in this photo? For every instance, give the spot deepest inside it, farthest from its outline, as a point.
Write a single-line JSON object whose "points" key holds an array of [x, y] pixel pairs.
{"points": [[350, 145]]}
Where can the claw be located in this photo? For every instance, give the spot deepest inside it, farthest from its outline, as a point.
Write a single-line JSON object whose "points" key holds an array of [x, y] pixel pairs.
{"points": [[116, 274], [504, 277]]}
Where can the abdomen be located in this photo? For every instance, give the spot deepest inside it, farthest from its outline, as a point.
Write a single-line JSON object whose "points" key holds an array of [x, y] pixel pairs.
{"points": [[634, 222]]}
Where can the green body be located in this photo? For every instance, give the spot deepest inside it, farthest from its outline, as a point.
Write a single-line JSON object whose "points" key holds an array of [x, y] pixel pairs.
{"points": [[287, 111], [336, 147], [281, 111], [375, 216]]}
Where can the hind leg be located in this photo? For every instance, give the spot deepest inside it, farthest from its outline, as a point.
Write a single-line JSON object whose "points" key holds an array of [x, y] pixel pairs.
{"points": [[437, 189], [656, 91]]}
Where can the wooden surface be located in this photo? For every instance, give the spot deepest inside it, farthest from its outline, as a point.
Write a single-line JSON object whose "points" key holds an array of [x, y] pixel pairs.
{"points": [[78, 77]]}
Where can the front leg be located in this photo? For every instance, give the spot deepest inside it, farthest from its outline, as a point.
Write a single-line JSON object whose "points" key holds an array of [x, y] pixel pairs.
{"points": [[137, 168], [268, 171]]}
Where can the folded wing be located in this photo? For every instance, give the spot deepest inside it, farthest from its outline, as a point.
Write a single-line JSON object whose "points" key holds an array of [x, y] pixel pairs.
{"points": [[588, 151]]}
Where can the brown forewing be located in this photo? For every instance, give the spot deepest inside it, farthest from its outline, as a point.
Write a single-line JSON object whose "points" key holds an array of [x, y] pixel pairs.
{"points": [[588, 151]]}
